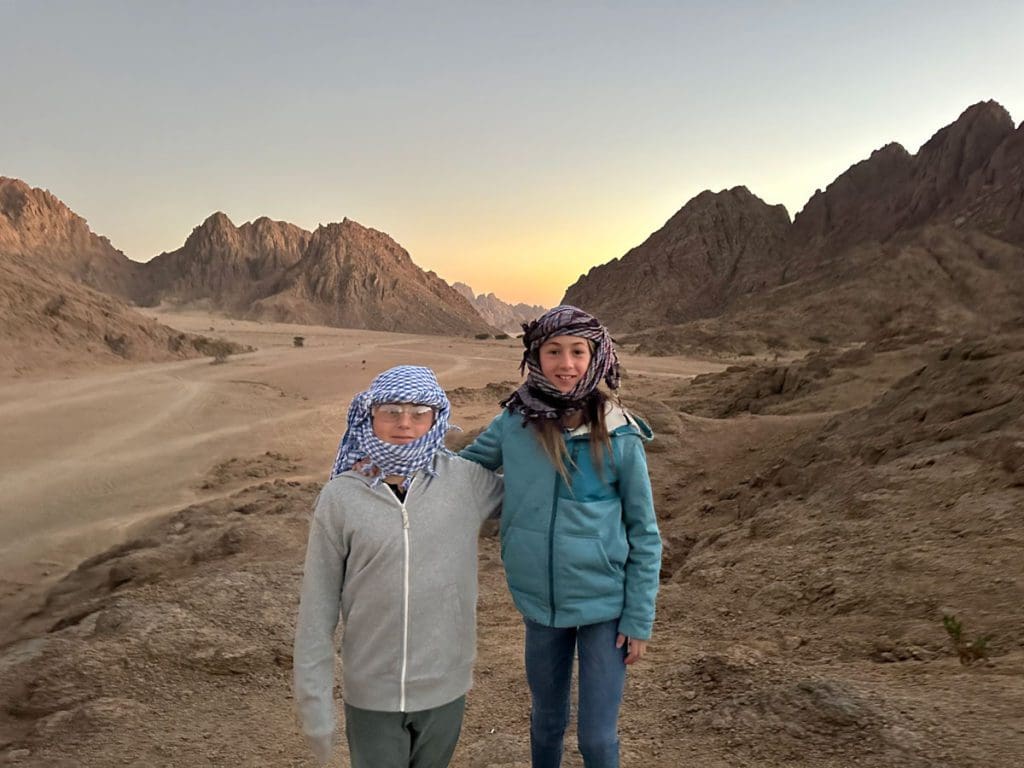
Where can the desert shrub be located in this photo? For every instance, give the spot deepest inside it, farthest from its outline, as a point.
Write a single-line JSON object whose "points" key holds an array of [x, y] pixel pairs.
{"points": [[118, 344], [820, 339], [298, 341], [483, 335], [52, 307], [501, 336], [220, 350], [968, 651], [175, 343]]}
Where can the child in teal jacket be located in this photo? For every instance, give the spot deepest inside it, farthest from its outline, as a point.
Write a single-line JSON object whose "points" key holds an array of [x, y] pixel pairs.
{"points": [[579, 537]]}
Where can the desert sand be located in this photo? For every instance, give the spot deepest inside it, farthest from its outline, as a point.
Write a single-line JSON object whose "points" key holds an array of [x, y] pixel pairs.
{"points": [[87, 456], [819, 515], [94, 458]]}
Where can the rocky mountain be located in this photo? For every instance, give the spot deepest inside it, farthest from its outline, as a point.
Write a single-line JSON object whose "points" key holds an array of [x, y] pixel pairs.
{"points": [[353, 276], [343, 275], [715, 249], [932, 282], [63, 289], [500, 314], [50, 320], [899, 244], [36, 225], [224, 265], [953, 178]]}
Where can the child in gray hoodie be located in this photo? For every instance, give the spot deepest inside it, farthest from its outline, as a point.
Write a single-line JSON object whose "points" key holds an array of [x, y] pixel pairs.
{"points": [[393, 548]]}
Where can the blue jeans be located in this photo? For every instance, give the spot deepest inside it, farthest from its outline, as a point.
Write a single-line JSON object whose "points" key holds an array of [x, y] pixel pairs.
{"points": [[549, 657]]}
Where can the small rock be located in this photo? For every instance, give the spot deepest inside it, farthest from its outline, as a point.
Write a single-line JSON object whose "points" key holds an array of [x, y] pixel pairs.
{"points": [[792, 642]]}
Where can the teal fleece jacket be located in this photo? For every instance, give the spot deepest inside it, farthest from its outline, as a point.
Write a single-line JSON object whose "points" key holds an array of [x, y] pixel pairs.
{"points": [[581, 554]]}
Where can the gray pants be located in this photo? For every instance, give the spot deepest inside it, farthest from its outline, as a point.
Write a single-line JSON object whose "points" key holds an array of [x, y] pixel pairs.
{"points": [[424, 739]]}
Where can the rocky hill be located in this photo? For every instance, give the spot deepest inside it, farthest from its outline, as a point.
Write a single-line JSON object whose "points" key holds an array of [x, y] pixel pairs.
{"points": [[50, 321], [715, 249], [500, 314], [36, 225], [224, 265], [928, 283], [63, 291], [968, 173], [356, 277], [911, 245], [343, 274], [810, 558]]}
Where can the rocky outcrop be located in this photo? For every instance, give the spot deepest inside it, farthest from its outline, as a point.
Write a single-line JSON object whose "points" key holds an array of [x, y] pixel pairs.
{"points": [[227, 266], [356, 277], [936, 281], [894, 191], [36, 225], [993, 199], [864, 203], [500, 314], [945, 165], [899, 246], [715, 249], [343, 275], [50, 321]]}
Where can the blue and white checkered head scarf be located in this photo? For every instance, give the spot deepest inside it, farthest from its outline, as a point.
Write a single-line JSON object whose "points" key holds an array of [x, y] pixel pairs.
{"points": [[401, 384]]}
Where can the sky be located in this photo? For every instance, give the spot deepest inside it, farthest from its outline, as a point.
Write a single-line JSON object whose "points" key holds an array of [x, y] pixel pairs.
{"points": [[511, 146]]}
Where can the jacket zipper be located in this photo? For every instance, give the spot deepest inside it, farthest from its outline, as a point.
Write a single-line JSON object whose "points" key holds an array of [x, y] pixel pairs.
{"points": [[551, 539], [551, 550], [405, 595], [405, 607]]}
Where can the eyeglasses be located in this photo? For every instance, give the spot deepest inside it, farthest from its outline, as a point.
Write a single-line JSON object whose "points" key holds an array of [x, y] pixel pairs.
{"points": [[418, 414]]}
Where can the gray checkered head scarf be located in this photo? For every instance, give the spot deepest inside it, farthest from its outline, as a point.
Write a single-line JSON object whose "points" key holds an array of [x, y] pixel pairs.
{"points": [[538, 398], [401, 384]]}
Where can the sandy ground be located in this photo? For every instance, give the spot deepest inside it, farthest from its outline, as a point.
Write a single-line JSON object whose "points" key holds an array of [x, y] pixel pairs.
{"points": [[820, 517], [89, 456]]}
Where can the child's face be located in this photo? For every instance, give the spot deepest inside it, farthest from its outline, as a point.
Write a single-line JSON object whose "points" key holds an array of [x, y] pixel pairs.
{"points": [[401, 423], [563, 360]]}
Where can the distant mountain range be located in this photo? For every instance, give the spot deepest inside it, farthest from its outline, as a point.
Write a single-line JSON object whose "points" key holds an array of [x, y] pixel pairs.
{"points": [[898, 248], [66, 292], [71, 288], [500, 314], [343, 274], [899, 245]]}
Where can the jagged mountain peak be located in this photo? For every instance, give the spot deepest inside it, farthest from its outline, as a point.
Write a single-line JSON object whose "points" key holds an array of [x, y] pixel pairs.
{"points": [[718, 246], [218, 219], [969, 177], [499, 313], [36, 224], [343, 273], [948, 159]]}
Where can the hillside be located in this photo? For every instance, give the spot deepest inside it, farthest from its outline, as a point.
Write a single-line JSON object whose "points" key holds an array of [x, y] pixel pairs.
{"points": [[900, 245]]}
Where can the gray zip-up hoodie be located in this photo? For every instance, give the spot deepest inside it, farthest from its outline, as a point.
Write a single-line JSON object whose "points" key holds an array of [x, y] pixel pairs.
{"points": [[404, 575]]}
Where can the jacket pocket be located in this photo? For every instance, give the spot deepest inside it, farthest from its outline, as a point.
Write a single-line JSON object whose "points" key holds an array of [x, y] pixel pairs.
{"points": [[583, 572]]}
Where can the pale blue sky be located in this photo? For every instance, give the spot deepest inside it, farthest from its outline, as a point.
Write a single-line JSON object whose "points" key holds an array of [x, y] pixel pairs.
{"points": [[508, 145]]}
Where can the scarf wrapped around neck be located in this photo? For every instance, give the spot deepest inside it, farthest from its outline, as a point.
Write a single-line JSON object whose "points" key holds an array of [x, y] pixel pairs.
{"points": [[538, 398], [402, 384]]}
